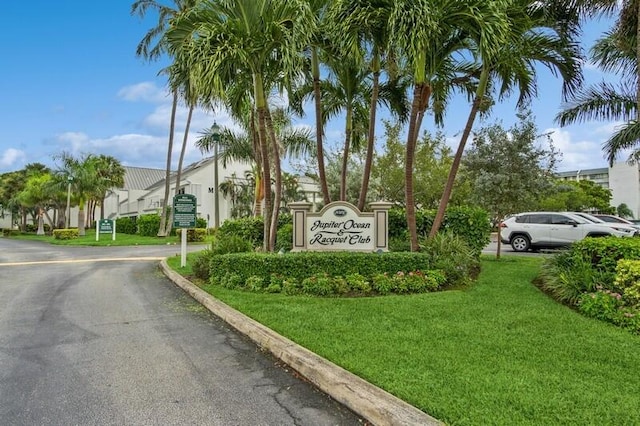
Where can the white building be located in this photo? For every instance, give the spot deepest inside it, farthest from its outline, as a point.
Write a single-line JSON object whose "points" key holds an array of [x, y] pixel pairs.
{"points": [[143, 192], [623, 179]]}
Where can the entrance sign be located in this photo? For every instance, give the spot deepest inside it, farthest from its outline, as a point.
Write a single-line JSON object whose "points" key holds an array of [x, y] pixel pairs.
{"points": [[184, 211], [106, 226], [340, 226], [184, 216]]}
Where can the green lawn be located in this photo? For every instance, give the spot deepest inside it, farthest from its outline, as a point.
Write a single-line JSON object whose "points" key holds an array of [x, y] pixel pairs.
{"points": [[500, 352], [105, 240]]}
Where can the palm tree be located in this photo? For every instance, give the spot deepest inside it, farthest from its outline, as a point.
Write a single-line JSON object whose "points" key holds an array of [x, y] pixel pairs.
{"points": [[428, 35], [616, 51], [110, 174], [533, 37], [319, 9], [150, 51], [225, 37], [366, 22], [626, 31]]}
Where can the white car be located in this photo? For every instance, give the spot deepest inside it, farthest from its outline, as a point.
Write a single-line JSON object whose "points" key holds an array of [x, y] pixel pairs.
{"points": [[616, 219], [535, 230], [623, 227]]}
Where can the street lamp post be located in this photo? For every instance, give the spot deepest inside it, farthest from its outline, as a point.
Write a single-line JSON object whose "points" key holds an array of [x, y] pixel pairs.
{"points": [[69, 180], [215, 131]]}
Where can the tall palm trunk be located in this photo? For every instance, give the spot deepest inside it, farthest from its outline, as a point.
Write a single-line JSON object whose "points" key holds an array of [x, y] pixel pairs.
{"points": [[638, 61], [315, 64], [257, 193], [261, 105], [348, 131], [162, 231], [81, 217], [371, 135], [421, 94], [180, 162], [275, 150], [446, 195]]}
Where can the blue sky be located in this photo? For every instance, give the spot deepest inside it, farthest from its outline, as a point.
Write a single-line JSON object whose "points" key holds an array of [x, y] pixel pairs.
{"points": [[71, 82]]}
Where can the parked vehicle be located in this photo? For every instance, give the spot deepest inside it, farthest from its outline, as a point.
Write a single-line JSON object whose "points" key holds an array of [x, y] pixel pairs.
{"points": [[535, 230], [617, 219], [624, 227]]}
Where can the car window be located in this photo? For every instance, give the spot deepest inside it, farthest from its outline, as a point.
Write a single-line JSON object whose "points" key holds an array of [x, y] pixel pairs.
{"points": [[523, 218], [560, 219], [540, 218]]}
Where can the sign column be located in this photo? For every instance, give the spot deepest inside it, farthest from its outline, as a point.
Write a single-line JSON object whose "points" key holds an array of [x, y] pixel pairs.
{"points": [[184, 216]]}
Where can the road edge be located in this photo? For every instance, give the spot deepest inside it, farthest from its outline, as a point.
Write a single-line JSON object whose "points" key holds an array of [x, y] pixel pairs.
{"points": [[374, 404]]}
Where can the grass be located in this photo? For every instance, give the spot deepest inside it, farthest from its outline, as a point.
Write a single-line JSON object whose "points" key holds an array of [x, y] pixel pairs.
{"points": [[499, 352], [105, 240]]}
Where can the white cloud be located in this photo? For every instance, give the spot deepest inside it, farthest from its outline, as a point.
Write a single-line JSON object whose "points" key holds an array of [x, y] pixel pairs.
{"points": [[576, 154], [11, 156], [145, 91]]}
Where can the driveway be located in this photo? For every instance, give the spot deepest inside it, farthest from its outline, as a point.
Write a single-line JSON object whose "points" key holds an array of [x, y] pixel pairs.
{"points": [[92, 341]]}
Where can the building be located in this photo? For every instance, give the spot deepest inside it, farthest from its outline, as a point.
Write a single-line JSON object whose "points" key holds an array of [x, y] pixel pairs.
{"points": [[143, 191], [623, 179]]}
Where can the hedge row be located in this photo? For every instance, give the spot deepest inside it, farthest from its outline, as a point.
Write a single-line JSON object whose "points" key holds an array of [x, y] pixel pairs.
{"points": [[301, 265], [470, 223]]}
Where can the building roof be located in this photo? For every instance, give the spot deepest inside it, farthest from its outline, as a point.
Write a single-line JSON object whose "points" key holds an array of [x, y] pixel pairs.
{"points": [[141, 177]]}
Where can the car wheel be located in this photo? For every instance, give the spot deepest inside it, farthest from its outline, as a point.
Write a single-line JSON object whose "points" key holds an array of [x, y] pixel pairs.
{"points": [[520, 243]]}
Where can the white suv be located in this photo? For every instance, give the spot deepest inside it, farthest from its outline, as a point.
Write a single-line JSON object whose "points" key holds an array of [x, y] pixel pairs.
{"points": [[534, 230]]}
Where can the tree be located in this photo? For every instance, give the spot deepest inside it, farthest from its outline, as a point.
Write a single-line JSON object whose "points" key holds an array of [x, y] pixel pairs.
{"points": [[252, 36], [360, 25], [508, 170], [433, 161], [616, 51], [109, 175], [582, 195], [432, 38], [534, 35], [624, 211], [150, 51]]}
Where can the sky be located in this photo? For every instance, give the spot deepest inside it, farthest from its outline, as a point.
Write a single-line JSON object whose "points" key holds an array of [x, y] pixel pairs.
{"points": [[71, 82]]}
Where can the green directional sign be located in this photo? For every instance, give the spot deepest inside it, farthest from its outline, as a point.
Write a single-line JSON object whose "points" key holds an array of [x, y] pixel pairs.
{"points": [[105, 226], [184, 211]]}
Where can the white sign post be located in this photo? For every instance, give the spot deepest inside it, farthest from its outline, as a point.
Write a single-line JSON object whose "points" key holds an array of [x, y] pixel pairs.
{"points": [[106, 226], [184, 216]]}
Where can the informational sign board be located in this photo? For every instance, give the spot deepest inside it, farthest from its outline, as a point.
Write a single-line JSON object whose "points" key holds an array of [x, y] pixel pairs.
{"points": [[184, 211], [340, 226], [106, 226]]}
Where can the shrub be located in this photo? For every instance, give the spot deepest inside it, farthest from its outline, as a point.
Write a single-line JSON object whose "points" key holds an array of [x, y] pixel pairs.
{"points": [[358, 283], [255, 283], [568, 275], [606, 305], [351, 273], [224, 244], [247, 228], [452, 255], [200, 264], [604, 253], [201, 223], [148, 225], [628, 280], [195, 235], [284, 237], [65, 234], [8, 232], [317, 285], [126, 225], [470, 223]]}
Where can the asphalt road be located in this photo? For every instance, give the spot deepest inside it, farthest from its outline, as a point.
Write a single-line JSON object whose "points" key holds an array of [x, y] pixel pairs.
{"points": [[89, 341]]}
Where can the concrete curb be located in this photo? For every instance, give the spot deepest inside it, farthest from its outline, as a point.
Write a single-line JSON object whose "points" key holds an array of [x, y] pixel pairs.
{"points": [[374, 404]]}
